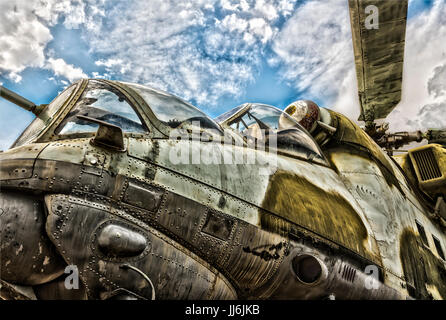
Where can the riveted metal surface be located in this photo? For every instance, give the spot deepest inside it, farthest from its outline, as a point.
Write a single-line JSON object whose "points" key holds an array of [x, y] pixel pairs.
{"points": [[218, 227], [163, 261], [11, 169], [93, 163], [390, 204], [143, 195], [27, 255], [226, 230], [30, 151]]}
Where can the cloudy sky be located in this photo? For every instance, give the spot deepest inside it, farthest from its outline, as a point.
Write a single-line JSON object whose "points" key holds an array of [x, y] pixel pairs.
{"points": [[215, 54]]}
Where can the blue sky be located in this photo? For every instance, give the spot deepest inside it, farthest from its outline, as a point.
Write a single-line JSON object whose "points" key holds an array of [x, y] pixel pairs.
{"points": [[216, 54]]}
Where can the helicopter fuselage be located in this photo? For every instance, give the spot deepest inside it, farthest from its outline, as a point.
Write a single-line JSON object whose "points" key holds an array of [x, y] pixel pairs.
{"points": [[221, 231]]}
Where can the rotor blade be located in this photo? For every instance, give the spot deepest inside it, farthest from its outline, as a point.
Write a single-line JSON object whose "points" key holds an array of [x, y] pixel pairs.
{"points": [[378, 42]]}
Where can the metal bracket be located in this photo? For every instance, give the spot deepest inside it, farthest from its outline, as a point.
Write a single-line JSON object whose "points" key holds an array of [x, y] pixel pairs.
{"points": [[108, 135]]}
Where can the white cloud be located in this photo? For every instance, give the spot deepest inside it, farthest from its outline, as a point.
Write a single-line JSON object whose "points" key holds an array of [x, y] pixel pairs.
{"points": [[15, 77], [184, 47], [423, 102], [232, 5], [73, 12], [206, 49], [234, 23], [315, 52], [436, 85], [25, 33], [268, 10], [255, 20], [22, 39], [432, 114], [109, 62], [260, 28], [62, 69], [115, 64]]}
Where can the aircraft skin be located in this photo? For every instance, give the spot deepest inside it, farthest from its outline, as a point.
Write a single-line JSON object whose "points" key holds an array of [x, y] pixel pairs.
{"points": [[213, 231], [336, 218]]}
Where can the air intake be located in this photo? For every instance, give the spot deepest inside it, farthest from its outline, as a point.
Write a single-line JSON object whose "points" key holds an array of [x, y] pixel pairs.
{"points": [[348, 273], [426, 164], [429, 163]]}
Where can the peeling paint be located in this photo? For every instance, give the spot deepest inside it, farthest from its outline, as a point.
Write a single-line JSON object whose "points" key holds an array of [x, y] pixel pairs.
{"points": [[422, 269], [46, 260], [20, 249]]}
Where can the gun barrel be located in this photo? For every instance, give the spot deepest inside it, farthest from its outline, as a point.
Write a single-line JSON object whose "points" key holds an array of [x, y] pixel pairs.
{"points": [[17, 99], [399, 139]]}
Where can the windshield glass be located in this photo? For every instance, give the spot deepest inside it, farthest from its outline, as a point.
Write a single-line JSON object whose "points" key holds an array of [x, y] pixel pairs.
{"points": [[229, 114], [44, 118], [102, 102], [172, 111], [259, 123]]}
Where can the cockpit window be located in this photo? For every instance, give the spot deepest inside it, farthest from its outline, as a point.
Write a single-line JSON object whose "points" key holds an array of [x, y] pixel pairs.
{"points": [[228, 114], [102, 102], [44, 118], [261, 123], [172, 111]]}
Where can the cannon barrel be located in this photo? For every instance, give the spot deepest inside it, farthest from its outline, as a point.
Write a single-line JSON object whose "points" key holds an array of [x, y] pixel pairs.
{"points": [[18, 100]]}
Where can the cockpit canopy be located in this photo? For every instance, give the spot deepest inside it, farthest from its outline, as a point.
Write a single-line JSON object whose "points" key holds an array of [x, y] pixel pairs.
{"points": [[104, 103], [142, 110], [107, 104], [261, 123], [173, 111], [134, 108]]}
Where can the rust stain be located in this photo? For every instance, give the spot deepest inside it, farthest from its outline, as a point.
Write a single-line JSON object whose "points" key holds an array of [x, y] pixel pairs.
{"points": [[422, 269], [356, 142], [327, 213]]}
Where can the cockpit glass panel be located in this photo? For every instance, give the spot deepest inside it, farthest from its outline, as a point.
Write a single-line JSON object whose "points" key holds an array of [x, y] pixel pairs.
{"points": [[262, 123], [105, 103], [172, 111], [228, 114], [45, 117]]}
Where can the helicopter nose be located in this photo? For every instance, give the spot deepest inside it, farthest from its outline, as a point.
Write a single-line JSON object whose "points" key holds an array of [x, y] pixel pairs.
{"points": [[27, 257]]}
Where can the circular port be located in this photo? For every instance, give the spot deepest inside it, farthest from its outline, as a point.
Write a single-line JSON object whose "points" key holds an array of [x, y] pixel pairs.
{"points": [[307, 268]]}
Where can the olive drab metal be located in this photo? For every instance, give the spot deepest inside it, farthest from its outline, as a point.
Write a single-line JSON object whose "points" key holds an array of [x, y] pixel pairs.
{"points": [[121, 191]]}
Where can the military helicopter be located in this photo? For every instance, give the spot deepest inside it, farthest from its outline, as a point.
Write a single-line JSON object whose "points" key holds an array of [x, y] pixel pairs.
{"points": [[109, 182]]}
